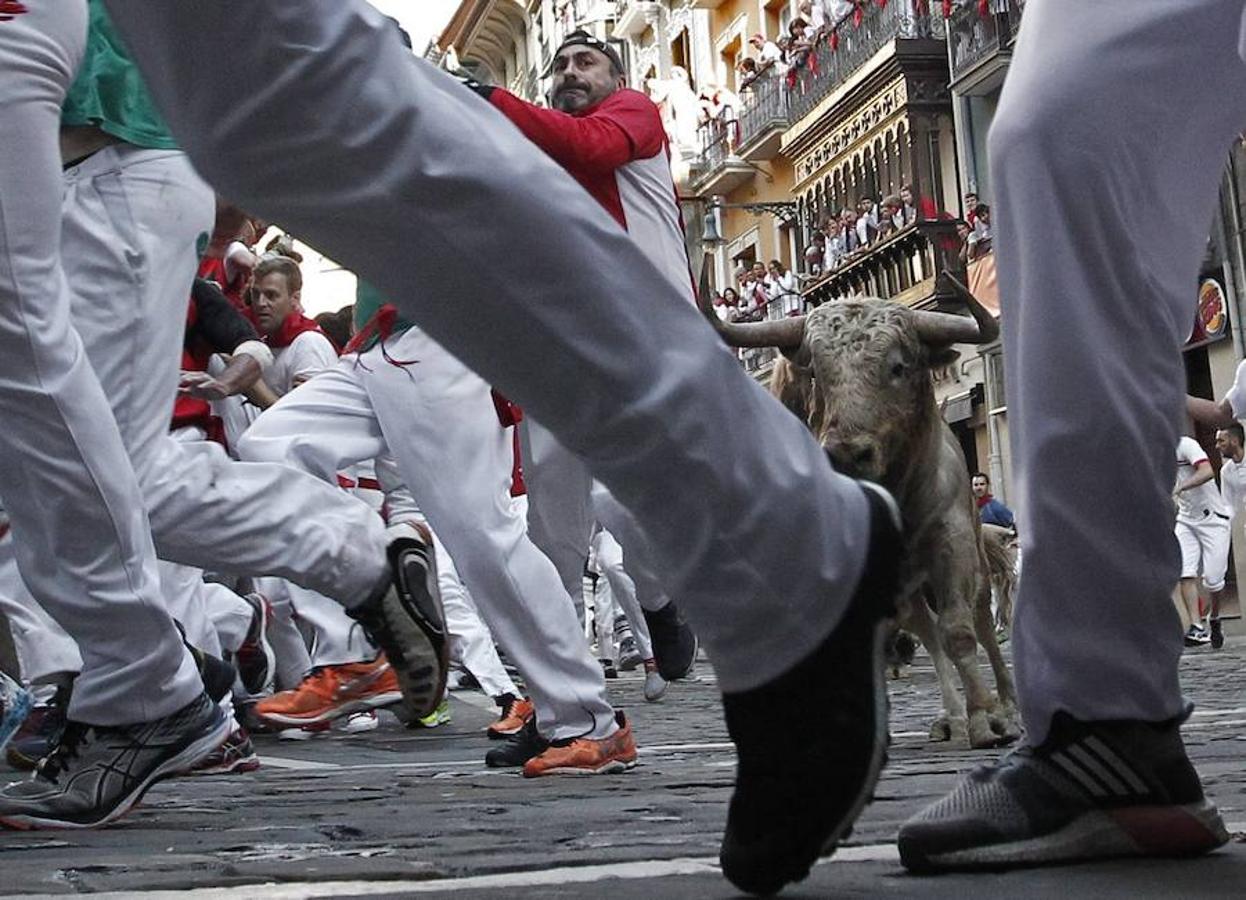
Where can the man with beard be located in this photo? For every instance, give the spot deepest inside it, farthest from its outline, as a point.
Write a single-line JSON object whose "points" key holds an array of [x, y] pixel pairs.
{"points": [[610, 138]]}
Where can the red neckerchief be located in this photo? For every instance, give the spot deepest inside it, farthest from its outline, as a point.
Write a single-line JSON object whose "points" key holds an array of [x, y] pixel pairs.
{"points": [[985, 499], [295, 324]]}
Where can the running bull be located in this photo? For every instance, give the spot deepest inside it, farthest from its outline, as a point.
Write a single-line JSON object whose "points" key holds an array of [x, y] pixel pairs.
{"points": [[859, 373]]}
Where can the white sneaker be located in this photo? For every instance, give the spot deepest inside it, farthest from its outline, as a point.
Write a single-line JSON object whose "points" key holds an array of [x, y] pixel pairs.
{"points": [[359, 722]]}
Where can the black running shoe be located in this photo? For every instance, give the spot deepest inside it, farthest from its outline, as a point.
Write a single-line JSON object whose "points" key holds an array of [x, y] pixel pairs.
{"points": [[97, 774], [39, 734], [796, 799], [1090, 791], [405, 619], [1217, 634], [518, 749], [674, 643]]}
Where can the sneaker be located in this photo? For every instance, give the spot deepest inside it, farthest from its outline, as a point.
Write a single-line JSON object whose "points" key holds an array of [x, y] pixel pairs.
{"points": [[217, 675], [331, 692], [360, 722], [15, 704], [1217, 639], [518, 748], [1090, 791], [257, 665], [405, 619], [516, 713], [439, 716], [97, 774], [304, 732], [235, 755], [629, 657], [655, 684], [1196, 636], [39, 733], [795, 800], [674, 643], [608, 669], [584, 756]]}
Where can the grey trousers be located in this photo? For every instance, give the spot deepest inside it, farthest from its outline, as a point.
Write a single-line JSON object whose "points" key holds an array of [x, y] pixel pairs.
{"points": [[1106, 154]]}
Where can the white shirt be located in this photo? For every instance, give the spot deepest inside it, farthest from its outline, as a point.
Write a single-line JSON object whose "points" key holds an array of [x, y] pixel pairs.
{"points": [[1233, 485], [770, 53], [308, 354], [1237, 394], [1197, 503]]}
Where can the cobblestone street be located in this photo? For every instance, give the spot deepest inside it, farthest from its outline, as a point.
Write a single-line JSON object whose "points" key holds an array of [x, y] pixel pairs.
{"points": [[396, 812]]}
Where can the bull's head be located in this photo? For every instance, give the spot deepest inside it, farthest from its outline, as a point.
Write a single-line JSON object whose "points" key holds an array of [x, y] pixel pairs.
{"points": [[863, 368]]}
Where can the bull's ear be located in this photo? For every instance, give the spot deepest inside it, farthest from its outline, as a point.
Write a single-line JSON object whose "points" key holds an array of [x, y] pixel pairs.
{"points": [[943, 356]]}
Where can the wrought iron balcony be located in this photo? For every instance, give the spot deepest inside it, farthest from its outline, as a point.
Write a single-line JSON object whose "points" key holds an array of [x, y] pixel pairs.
{"points": [[974, 38], [763, 118], [825, 69], [896, 267], [721, 168]]}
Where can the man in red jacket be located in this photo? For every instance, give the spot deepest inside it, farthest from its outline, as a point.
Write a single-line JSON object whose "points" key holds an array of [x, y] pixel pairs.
{"points": [[610, 138]]}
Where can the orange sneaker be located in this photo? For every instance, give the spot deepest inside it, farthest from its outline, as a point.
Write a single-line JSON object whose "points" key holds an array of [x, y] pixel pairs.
{"points": [[515, 715], [583, 756], [331, 692]]}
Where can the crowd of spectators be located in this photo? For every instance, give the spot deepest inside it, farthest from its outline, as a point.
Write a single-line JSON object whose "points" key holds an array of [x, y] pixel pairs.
{"points": [[757, 287]]}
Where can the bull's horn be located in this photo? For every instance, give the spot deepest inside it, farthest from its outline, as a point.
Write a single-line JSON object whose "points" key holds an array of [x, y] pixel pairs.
{"points": [[945, 329], [785, 334]]}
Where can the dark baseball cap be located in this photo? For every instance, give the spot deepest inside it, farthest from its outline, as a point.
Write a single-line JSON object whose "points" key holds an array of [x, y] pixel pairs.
{"points": [[581, 38]]}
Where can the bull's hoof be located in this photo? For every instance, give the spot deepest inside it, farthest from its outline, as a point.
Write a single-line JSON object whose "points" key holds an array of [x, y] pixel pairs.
{"points": [[945, 729], [981, 735], [1007, 725]]}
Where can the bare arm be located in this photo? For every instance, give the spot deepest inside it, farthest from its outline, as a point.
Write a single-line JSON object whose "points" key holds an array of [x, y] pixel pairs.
{"points": [[1203, 473], [261, 394], [1209, 412]]}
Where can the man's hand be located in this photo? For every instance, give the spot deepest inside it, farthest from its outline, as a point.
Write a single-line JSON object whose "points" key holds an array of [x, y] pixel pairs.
{"points": [[471, 83], [202, 386]]}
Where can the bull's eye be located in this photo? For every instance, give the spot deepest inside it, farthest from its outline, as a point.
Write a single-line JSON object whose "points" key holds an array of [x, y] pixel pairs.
{"points": [[897, 370]]}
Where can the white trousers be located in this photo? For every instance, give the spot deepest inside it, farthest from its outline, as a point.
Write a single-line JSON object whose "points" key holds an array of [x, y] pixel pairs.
{"points": [[438, 421], [1106, 154], [607, 556], [82, 539], [1204, 545], [132, 221], [403, 175]]}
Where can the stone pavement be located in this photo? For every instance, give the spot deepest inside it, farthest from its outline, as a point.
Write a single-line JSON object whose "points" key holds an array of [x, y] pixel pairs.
{"points": [[401, 813]]}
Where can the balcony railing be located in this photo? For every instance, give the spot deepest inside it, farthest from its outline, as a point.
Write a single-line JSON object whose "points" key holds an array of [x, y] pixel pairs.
{"points": [[973, 37], [718, 142], [912, 255], [763, 107], [826, 69]]}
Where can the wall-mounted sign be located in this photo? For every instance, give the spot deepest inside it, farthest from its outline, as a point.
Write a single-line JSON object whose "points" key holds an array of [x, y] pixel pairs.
{"points": [[1211, 320]]}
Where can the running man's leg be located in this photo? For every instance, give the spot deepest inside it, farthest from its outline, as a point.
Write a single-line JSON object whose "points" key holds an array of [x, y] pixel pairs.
{"points": [[82, 539], [765, 553]]}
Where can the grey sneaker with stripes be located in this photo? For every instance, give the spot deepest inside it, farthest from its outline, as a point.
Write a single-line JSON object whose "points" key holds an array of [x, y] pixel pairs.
{"points": [[1090, 791]]}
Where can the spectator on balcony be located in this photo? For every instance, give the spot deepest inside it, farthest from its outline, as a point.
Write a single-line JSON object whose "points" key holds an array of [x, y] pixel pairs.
{"points": [[971, 206], [780, 282], [979, 241], [846, 240], [813, 12], [916, 207], [726, 305], [748, 72], [964, 230], [866, 221], [815, 254], [890, 216], [769, 56]]}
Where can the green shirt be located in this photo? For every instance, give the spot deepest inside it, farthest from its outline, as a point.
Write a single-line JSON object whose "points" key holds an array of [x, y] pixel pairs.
{"points": [[109, 92], [368, 302]]}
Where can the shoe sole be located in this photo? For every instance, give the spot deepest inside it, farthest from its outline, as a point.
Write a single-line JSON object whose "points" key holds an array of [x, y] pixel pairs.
{"points": [[184, 761], [878, 758], [237, 767], [363, 704], [613, 767], [428, 635], [1143, 831], [496, 734]]}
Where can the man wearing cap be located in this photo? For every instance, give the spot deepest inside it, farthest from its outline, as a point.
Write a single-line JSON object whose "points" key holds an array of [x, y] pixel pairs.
{"points": [[611, 139]]}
